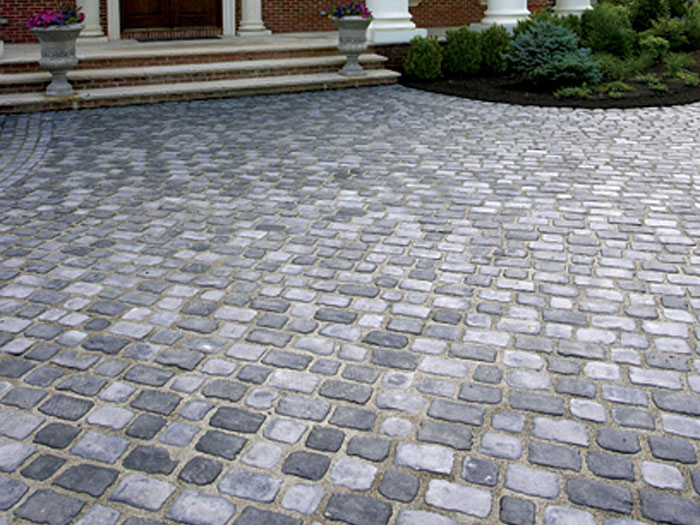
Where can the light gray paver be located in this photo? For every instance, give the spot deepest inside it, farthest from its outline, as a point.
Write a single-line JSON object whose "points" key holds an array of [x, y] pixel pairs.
{"points": [[142, 492], [451, 496], [196, 508]]}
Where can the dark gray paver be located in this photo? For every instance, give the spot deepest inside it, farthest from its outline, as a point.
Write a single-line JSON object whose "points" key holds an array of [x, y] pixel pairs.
{"points": [[50, 507]]}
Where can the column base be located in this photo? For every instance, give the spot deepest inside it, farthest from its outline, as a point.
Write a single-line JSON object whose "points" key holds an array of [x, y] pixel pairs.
{"points": [[573, 10], [89, 38], [253, 31], [394, 36], [506, 19]]}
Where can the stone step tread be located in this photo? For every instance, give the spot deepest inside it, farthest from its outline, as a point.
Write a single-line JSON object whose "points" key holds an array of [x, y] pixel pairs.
{"points": [[321, 80], [185, 69], [125, 50]]}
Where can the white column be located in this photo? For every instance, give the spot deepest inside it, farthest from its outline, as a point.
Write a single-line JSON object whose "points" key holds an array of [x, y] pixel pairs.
{"points": [[2, 45], [114, 23], [572, 7], [505, 12], [391, 22], [251, 19], [93, 29], [229, 17]]}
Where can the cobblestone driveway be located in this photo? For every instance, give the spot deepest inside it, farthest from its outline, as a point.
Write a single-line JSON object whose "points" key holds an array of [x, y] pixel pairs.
{"points": [[371, 306]]}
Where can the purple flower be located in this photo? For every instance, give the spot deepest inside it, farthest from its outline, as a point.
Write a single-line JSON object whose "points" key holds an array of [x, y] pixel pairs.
{"points": [[66, 16]]}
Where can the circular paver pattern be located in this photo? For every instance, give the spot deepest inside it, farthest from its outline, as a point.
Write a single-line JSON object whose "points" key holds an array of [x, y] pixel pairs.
{"points": [[367, 306]]}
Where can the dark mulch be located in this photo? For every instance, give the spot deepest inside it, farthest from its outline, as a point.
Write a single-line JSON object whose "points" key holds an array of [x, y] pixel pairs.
{"points": [[512, 90]]}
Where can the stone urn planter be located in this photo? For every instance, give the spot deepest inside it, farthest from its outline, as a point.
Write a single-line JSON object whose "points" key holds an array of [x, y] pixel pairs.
{"points": [[352, 41], [58, 55]]}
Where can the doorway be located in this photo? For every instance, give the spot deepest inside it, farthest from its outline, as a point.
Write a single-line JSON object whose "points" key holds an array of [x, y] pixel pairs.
{"points": [[166, 16]]}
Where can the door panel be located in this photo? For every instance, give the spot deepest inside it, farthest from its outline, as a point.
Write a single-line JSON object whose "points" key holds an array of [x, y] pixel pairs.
{"points": [[145, 13], [193, 13], [170, 14]]}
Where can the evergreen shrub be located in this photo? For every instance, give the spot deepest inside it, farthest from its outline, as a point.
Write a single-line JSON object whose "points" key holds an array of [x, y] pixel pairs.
{"points": [[424, 58], [571, 22], [643, 13], [672, 29], [463, 51], [654, 46], [495, 42], [548, 55], [692, 25], [607, 29]]}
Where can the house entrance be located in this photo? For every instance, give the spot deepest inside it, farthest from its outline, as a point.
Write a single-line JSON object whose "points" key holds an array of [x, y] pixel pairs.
{"points": [[170, 17]]}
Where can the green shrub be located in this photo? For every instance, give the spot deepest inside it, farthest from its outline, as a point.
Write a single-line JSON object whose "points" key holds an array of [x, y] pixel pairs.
{"points": [[548, 55], [692, 25], [607, 29], [672, 29], [679, 8], [495, 42], [689, 78], [573, 92], [617, 68], [654, 46], [643, 13], [424, 58], [463, 51], [677, 62], [571, 22], [615, 89], [652, 80]]}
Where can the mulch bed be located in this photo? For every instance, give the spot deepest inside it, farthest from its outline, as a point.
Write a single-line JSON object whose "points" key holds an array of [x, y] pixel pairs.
{"points": [[512, 90]]}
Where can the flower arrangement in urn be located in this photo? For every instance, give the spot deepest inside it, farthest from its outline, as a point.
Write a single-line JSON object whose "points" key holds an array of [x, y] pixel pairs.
{"points": [[57, 31], [65, 15], [352, 20], [344, 9]]}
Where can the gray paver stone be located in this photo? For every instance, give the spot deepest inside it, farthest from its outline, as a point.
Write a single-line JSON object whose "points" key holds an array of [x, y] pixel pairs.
{"points": [[356, 475], [421, 517], [99, 515], [11, 491], [480, 471], [89, 479], [532, 482], [307, 465], [399, 486], [193, 507], [249, 485], [516, 511], [599, 495], [253, 516], [302, 498], [47, 506], [357, 510], [556, 515], [100, 447], [12, 455], [142, 492], [18, 425], [432, 458], [451, 496], [665, 508]]}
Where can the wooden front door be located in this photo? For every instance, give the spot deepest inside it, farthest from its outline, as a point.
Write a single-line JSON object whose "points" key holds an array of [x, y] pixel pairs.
{"points": [[170, 14]]}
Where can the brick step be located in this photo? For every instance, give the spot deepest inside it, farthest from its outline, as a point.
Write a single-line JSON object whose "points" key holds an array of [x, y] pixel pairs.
{"points": [[124, 57], [83, 79], [126, 95]]}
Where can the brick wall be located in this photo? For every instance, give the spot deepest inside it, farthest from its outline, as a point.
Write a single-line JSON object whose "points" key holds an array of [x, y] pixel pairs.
{"points": [[446, 13], [280, 17], [17, 12], [303, 15], [295, 16]]}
